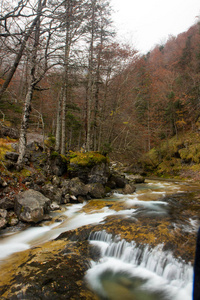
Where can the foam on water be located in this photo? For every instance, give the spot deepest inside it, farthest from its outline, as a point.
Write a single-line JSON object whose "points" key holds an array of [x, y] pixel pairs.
{"points": [[37, 235], [161, 272]]}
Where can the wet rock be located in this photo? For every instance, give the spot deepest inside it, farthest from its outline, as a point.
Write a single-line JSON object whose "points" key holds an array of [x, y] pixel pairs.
{"points": [[6, 203], [66, 199], [119, 180], [73, 199], [136, 178], [54, 270], [96, 190], [31, 206], [129, 189], [54, 206]]}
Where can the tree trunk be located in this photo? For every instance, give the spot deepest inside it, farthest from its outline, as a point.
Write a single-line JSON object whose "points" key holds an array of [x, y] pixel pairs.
{"points": [[33, 81], [21, 50], [24, 125], [58, 124]]}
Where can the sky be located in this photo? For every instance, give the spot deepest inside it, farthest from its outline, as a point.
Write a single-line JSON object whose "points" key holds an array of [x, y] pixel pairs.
{"points": [[146, 23]]}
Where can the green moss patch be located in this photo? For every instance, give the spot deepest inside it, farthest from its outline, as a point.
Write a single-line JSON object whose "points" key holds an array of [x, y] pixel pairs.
{"points": [[175, 156], [87, 159]]}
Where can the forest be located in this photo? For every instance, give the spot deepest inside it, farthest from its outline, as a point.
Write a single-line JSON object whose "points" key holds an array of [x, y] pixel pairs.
{"points": [[64, 74]]}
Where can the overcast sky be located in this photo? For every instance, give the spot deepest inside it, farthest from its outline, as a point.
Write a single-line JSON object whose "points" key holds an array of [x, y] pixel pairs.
{"points": [[145, 23]]}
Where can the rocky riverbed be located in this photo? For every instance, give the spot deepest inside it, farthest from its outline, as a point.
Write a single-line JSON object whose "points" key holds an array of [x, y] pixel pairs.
{"points": [[160, 218]]}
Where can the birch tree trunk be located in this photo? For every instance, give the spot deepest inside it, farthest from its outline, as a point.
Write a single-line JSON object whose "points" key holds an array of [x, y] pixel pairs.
{"points": [[31, 86], [24, 125], [21, 50], [58, 123]]}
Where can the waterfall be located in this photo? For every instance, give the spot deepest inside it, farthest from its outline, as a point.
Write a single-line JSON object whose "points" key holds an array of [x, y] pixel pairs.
{"points": [[159, 269]]}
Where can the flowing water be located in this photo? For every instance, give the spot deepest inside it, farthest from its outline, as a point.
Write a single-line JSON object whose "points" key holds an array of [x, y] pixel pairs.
{"points": [[126, 269]]}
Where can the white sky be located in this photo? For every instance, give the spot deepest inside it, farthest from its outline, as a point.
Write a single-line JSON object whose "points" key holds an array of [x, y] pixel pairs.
{"points": [[145, 23]]}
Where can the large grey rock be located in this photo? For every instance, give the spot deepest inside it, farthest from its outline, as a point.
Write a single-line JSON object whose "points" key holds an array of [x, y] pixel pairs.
{"points": [[118, 179], [78, 188], [99, 173], [31, 206], [53, 193], [96, 190], [129, 188], [136, 178]]}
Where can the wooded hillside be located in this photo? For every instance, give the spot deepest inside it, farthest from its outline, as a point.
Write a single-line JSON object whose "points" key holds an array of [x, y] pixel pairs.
{"points": [[70, 79]]}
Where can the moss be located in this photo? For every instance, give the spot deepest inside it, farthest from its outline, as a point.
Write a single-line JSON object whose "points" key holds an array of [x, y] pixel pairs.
{"points": [[87, 159], [4, 147], [50, 142], [173, 156], [54, 154], [25, 173]]}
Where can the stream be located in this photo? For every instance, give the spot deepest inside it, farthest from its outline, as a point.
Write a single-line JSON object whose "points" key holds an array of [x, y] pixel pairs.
{"points": [[144, 256]]}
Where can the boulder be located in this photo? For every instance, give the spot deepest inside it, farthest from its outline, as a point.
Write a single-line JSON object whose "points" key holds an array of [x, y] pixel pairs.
{"points": [[129, 189], [13, 156], [99, 173], [96, 190], [136, 178], [78, 188], [119, 180], [31, 206], [6, 203], [58, 165], [53, 193], [10, 132]]}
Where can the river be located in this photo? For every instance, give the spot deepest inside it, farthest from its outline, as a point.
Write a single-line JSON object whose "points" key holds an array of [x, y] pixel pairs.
{"points": [[146, 240]]}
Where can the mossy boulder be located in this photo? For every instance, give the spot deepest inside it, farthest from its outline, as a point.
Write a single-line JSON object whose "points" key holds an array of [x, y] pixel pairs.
{"points": [[90, 167]]}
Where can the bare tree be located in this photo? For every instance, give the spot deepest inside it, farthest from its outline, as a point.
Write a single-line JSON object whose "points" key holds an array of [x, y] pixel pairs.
{"points": [[38, 67], [17, 12]]}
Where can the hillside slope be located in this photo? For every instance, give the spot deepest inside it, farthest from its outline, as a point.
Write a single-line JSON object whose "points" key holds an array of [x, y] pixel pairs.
{"points": [[177, 157]]}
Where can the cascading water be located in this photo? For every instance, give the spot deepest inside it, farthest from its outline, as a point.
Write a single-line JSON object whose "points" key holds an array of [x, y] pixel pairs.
{"points": [[137, 271], [127, 270]]}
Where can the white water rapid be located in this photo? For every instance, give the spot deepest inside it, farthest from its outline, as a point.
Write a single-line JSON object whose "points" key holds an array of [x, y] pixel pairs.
{"points": [[128, 271], [125, 270]]}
